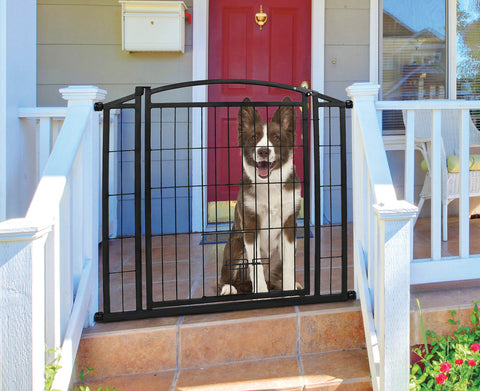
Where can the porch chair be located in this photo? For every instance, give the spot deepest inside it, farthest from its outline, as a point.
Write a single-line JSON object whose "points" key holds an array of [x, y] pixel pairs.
{"points": [[450, 158]]}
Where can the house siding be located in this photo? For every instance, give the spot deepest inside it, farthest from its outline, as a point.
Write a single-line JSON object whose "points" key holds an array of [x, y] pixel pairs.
{"points": [[79, 42], [347, 43]]}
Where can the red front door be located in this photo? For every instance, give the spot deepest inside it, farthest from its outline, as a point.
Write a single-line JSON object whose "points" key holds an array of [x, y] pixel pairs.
{"points": [[239, 49]]}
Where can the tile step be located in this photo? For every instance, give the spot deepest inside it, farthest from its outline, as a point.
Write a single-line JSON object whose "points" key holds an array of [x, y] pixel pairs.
{"points": [[320, 371], [196, 341]]}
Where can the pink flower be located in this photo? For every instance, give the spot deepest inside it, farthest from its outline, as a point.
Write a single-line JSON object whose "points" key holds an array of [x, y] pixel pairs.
{"points": [[459, 361], [440, 378], [445, 367], [472, 363], [474, 347]]}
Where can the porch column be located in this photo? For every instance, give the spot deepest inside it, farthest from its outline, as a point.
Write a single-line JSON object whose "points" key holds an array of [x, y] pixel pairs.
{"points": [[18, 88]]}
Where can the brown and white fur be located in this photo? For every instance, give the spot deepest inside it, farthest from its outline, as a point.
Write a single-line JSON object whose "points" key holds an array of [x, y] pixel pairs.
{"points": [[267, 206]]}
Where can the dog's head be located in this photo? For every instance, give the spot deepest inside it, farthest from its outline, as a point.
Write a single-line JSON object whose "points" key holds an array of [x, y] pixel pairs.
{"points": [[266, 146]]}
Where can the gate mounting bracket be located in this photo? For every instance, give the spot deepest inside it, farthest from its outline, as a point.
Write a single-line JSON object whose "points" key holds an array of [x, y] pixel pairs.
{"points": [[98, 317], [98, 106]]}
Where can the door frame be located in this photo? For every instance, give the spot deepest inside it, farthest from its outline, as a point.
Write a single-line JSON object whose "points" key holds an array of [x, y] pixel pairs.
{"points": [[199, 94]]}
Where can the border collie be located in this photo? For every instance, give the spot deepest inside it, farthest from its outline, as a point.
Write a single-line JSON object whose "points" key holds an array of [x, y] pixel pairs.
{"points": [[268, 203]]}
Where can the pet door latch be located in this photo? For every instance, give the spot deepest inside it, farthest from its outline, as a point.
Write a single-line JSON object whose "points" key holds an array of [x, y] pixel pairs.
{"points": [[261, 17]]}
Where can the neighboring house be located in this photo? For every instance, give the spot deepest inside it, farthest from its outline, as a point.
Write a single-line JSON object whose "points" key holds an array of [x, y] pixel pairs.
{"points": [[413, 49]]}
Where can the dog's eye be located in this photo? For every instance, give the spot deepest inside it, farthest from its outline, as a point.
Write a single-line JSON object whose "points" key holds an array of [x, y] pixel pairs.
{"points": [[253, 138], [276, 138]]}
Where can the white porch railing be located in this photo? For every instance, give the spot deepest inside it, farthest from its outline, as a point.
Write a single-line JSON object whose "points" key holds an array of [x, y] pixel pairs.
{"points": [[438, 268], [383, 228], [48, 120], [382, 233], [49, 259]]}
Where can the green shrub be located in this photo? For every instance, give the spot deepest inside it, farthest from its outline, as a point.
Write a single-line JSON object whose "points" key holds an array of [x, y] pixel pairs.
{"points": [[452, 362]]}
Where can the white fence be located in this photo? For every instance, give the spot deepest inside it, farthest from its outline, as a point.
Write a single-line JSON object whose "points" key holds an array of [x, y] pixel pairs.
{"points": [[49, 259], [383, 225]]}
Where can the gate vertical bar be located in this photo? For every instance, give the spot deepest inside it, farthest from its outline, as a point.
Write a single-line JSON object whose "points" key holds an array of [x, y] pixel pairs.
{"points": [[343, 157], [138, 197], [148, 197], [105, 211], [306, 192], [318, 208]]}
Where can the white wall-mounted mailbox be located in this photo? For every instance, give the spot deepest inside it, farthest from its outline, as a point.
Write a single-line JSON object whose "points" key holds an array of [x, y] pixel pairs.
{"points": [[153, 26]]}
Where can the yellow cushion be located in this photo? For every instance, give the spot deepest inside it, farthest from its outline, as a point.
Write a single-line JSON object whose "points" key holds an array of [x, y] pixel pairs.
{"points": [[453, 163], [474, 162], [224, 211]]}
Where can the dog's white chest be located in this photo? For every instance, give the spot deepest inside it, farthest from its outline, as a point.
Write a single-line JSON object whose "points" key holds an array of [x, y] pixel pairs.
{"points": [[273, 204]]}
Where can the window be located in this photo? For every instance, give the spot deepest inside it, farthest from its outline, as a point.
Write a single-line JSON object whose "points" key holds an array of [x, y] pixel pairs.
{"points": [[414, 59], [468, 52], [415, 62]]}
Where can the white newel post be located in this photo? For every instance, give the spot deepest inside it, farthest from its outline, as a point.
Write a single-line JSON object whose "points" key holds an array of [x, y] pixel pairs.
{"points": [[363, 96], [22, 307], [393, 228]]}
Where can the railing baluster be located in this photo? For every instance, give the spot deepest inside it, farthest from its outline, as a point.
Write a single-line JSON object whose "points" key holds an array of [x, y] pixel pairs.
{"points": [[464, 210], [436, 186], [44, 144], [410, 157]]}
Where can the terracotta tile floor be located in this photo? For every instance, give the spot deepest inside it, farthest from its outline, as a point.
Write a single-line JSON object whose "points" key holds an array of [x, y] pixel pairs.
{"points": [[183, 268]]}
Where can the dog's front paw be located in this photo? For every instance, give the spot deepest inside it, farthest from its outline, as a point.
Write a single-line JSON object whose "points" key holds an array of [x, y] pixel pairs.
{"points": [[228, 290], [298, 286], [262, 288]]}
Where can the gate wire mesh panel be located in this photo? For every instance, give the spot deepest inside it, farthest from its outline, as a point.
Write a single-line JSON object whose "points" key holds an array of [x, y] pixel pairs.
{"points": [[207, 204]]}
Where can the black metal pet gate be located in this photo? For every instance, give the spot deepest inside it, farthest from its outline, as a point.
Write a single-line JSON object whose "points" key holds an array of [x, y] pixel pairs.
{"points": [[171, 171]]}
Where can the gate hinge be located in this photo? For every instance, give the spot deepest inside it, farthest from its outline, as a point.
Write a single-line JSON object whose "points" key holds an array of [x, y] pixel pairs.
{"points": [[98, 317], [349, 104], [98, 106], [352, 295]]}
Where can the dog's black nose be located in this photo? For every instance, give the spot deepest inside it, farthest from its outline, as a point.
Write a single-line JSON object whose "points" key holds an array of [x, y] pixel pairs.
{"points": [[263, 153]]}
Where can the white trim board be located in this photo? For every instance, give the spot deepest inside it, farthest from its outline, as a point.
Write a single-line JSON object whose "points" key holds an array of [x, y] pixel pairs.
{"points": [[3, 109], [200, 72], [426, 271]]}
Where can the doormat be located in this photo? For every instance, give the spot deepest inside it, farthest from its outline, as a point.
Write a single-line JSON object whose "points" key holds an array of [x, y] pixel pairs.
{"points": [[222, 237]]}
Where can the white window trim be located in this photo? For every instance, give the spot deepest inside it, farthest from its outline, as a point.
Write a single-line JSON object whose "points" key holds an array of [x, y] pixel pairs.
{"points": [[3, 110], [200, 72]]}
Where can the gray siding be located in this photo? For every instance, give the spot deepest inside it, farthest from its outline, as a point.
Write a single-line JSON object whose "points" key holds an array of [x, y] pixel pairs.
{"points": [[347, 44], [79, 42]]}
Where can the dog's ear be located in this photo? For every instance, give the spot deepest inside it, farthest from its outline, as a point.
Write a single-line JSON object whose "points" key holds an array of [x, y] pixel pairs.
{"points": [[285, 116], [248, 117]]}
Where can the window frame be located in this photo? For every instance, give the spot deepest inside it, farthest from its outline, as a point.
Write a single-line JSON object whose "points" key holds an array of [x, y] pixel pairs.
{"points": [[376, 48], [397, 142]]}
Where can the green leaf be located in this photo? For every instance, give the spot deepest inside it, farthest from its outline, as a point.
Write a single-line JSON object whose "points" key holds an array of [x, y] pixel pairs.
{"points": [[473, 318]]}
